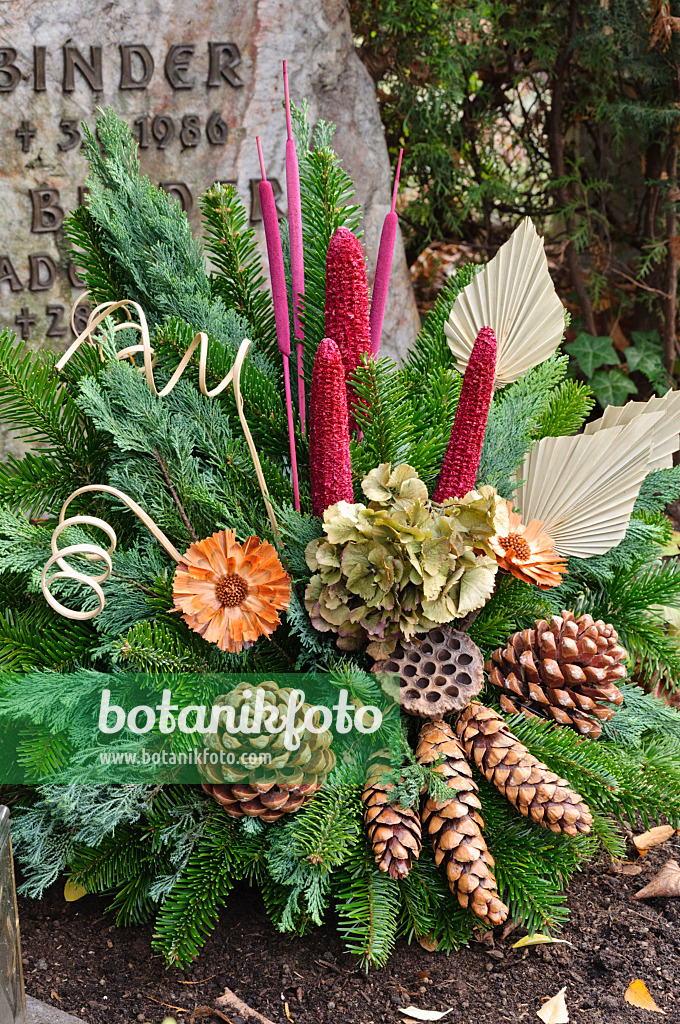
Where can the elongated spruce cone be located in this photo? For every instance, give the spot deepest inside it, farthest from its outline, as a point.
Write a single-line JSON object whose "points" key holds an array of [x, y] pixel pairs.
{"points": [[528, 784], [394, 831], [564, 670], [455, 826]]}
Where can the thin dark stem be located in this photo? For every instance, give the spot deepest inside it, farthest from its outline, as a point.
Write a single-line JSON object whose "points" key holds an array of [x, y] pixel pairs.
{"points": [[669, 333], [175, 495]]}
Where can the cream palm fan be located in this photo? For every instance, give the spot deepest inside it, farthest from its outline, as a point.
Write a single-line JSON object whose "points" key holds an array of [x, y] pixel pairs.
{"points": [[667, 431], [583, 488], [515, 296]]}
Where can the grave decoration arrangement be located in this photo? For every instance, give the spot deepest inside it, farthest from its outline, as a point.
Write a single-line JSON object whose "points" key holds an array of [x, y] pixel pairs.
{"points": [[441, 528]]}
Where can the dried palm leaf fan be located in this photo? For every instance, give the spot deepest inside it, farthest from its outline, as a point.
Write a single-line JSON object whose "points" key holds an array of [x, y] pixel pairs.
{"points": [[515, 296], [583, 488], [666, 427]]}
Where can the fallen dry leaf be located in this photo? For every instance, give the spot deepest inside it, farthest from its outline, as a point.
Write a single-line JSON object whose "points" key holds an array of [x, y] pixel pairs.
{"points": [[654, 837], [665, 883], [74, 891], [415, 1014], [537, 940], [428, 943], [554, 1010], [637, 994]]}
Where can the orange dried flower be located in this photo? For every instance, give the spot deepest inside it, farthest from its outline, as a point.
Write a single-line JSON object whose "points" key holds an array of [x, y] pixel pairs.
{"points": [[231, 593], [528, 553]]}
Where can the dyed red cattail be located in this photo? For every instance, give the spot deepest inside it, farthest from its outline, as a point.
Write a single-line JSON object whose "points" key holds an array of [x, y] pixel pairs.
{"points": [[330, 466], [461, 461], [347, 319]]}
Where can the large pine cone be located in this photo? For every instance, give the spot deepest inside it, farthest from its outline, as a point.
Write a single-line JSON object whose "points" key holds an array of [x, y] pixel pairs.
{"points": [[525, 781], [455, 826], [259, 777], [394, 831], [561, 670]]}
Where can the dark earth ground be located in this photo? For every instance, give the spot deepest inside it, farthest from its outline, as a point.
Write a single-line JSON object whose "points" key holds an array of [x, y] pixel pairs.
{"points": [[76, 959]]}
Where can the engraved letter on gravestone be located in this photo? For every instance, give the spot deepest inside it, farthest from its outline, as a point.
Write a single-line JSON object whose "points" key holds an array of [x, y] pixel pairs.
{"points": [[12, 1008], [196, 83]]}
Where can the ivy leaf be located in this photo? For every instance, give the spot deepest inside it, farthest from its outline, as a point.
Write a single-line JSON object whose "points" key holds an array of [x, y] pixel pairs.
{"points": [[590, 352], [646, 355], [612, 387]]}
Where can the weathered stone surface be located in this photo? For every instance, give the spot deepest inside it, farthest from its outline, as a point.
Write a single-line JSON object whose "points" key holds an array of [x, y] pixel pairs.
{"points": [[38, 1012], [51, 80]]}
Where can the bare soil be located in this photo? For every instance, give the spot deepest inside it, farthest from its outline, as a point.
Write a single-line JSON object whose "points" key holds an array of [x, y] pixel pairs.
{"points": [[75, 958]]}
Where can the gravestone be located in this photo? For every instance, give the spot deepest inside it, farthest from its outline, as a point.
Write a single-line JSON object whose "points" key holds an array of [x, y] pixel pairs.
{"points": [[196, 82], [12, 1006]]}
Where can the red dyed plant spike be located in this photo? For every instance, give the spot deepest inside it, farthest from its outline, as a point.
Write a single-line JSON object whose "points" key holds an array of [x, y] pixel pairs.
{"points": [[330, 466], [347, 319], [461, 462]]}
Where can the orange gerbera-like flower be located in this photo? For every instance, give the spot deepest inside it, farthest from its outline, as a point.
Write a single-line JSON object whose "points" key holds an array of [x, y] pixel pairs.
{"points": [[529, 553], [231, 593]]}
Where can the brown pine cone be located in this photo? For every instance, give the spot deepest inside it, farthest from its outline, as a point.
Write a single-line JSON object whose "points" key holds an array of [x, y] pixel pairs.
{"points": [[562, 670], [394, 831], [253, 774], [265, 800], [528, 784], [455, 826]]}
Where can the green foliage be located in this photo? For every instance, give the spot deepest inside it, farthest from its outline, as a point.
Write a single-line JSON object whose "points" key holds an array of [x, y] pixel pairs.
{"points": [[646, 356], [326, 192], [612, 387], [566, 409], [368, 909], [239, 280], [36, 408], [583, 95], [190, 912], [590, 353]]}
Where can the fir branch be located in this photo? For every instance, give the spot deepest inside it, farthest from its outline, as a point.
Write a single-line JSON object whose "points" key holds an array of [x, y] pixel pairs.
{"points": [[326, 192], [367, 902], [240, 281], [566, 409]]}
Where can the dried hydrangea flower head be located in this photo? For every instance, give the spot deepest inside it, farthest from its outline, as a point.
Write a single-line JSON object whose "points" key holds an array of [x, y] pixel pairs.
{"points": [[400, 565], [231, 593]]}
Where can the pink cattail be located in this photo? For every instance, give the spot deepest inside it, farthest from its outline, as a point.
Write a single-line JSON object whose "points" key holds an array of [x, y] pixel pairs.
{"points": [[347, 320], [461, 462], [330, 466]]}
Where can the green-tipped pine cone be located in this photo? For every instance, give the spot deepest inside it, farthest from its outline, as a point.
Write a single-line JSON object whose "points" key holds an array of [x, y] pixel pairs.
{"points": [[394, 831], [455, 826], [528, 784], [564, 670], [264, 779]]}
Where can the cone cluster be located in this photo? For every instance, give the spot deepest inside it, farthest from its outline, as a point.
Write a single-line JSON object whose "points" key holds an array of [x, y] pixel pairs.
{"points": [[564, 670], [393, 831], [528, 784], [455, 826]]}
